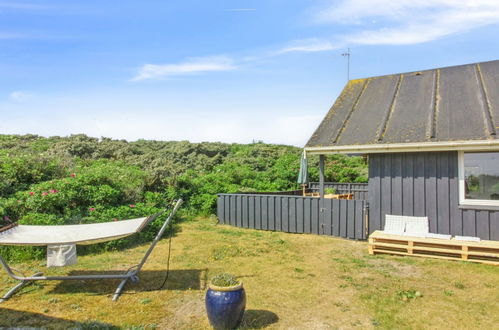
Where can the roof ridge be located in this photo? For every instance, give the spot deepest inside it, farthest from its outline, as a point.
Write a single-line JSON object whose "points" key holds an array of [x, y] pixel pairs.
{"points": [[424, 70]]}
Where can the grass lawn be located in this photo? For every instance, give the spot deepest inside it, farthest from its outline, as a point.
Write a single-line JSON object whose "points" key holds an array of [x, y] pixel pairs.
{"points": [[292, 282]]}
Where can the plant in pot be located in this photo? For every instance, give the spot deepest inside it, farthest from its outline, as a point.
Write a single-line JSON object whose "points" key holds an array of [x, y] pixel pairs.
{"points": [[330, 192], [225, 301]]}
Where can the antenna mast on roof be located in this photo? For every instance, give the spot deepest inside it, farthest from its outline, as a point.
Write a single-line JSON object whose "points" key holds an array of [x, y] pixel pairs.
{"points": [[347, 54]]}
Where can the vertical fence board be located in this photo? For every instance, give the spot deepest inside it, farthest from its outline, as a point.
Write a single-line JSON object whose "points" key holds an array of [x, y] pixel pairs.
{"points": [[359, 220], [327, 227], [245, 211], [292, 215], [251, 212], [239, 211], [343, 218], [300, 218], [351, 220], [227, 209], [265, 212], [220, 207], [258, 212], [336, 211], [232, 210], [271, 214], [307, 215], [285, 214], [278, 213], [314, 219]]}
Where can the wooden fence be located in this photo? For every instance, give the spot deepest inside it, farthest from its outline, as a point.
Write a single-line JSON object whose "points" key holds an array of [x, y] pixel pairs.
{"points": [[294, 214]]}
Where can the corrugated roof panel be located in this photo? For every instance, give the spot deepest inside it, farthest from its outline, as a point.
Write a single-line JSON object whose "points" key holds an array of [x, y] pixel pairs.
{"points": [[460, 106], [362, 126], [490, 74], [337, 114], [412, 109]]}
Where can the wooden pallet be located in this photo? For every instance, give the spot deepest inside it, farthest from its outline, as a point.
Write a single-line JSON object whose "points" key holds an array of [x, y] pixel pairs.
{"points": [[486, 252]]}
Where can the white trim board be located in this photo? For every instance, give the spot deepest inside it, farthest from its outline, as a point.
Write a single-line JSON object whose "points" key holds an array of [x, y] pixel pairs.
{"points": [[470, 145]]}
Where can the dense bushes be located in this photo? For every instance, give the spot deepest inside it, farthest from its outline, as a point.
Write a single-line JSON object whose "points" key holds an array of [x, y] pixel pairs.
{"points": [[82, 179]]}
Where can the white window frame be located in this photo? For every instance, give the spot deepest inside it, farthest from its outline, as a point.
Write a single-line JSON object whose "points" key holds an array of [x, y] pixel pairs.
{"points": [[462, 189]]}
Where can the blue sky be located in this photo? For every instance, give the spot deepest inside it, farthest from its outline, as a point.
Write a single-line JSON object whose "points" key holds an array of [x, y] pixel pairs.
{"points": [[231, 71]]}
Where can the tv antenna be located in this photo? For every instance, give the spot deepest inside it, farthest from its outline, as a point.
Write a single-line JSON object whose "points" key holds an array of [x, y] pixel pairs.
{"points": [[347, 54]]}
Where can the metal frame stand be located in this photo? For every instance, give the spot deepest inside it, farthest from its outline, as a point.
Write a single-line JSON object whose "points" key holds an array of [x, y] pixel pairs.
{"points": [[130, 274]]}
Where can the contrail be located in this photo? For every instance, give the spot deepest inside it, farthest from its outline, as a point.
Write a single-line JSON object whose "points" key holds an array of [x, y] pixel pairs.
{"points": [[241, 9]]}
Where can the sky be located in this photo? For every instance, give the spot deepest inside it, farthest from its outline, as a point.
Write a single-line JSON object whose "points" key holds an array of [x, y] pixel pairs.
{"points": [[229, 71]]}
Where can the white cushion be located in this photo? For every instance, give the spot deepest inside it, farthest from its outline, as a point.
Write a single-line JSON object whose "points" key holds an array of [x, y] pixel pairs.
{"points": [[394, 224], [416, 226], [467, 238], [439, 236]]}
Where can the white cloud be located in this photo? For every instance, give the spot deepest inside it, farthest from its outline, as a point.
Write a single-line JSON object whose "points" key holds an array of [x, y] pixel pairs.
{"points": [[19, 96], [191, 66], [308, 46], [399, 22]]}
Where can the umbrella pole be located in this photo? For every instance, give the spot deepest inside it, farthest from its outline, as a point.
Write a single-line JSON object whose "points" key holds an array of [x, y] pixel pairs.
{"points": [[304, 189]]}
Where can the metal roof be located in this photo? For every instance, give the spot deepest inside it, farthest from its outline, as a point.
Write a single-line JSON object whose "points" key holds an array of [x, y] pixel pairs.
{"points": [[430, 107]]}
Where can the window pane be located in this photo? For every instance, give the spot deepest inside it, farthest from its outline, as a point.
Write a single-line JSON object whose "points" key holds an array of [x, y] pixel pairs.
{"points": [[481, 172]]}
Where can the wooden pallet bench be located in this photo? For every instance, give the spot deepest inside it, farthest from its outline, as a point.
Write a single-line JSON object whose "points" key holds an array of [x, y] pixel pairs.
{"points": [[486, 252]]}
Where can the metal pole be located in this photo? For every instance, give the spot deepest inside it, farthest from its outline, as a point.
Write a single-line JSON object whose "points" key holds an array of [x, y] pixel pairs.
{"points": [[348, 65], [321, 192], [347, 55], [160, 234], [321, 176]]}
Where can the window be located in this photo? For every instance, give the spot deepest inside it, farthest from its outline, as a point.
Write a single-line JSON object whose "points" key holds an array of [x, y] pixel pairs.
{"points": [[479, 178]]}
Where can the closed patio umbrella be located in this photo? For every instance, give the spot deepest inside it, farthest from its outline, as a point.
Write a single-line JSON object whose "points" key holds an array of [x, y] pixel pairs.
{"points": [[303, 174]]}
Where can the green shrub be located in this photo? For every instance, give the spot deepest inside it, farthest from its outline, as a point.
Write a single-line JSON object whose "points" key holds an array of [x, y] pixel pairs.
{"points": [[79, 179]]}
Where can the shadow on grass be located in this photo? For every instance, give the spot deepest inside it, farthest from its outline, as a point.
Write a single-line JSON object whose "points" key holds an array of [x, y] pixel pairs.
{"points": [[10, 318], [150, 280], [258, 319]]}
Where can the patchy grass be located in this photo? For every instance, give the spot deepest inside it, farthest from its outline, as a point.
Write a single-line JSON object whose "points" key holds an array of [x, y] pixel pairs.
{"points": [[291, 281]]}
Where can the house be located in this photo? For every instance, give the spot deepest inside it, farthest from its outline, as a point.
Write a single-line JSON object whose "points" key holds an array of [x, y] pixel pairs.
{"points": [[431, 139]]}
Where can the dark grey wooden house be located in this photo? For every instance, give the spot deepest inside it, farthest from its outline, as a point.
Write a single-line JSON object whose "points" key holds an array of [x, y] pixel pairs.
{"points": [[431, 142]]}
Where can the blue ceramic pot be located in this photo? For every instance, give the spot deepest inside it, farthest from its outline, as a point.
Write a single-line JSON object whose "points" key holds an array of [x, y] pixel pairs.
{"points": [[225, 306]]}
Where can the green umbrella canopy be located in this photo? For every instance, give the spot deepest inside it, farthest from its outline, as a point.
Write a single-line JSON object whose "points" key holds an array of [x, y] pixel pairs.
{"points": [[303, 175]]}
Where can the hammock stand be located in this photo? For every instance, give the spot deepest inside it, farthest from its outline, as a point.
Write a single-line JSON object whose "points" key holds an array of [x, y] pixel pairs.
{"points": [[130, 274]]}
